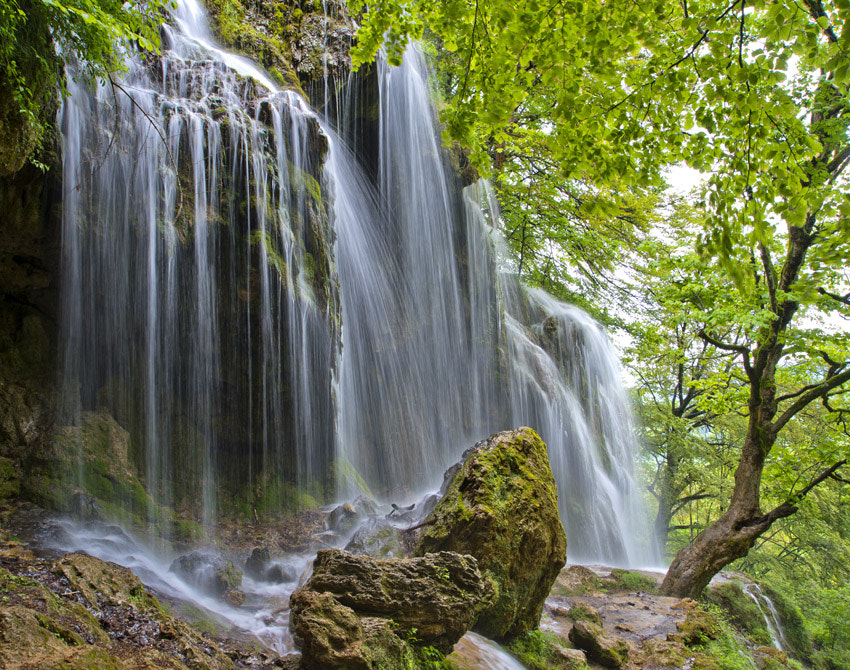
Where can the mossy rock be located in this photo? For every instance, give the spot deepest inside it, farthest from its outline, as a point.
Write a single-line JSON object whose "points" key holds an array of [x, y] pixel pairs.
{"points": [[537, 650], [432, 600], [610, 652], [584, 612], [10, 481], [630, 580], [743, 613], [500, 505], [92, 457], [40, 629], [333, 636], [698, 626]]}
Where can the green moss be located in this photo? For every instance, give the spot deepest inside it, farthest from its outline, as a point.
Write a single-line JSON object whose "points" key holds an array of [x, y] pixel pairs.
{"points": [[275, 258], [740, 610], [10, 481], [502, 504], [186, 530], [627, 580], [584, 612], [537, 650], [701, 625], [794, 626], [237, 32]]}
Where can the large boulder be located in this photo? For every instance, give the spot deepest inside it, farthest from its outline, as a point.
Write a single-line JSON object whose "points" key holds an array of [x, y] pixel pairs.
{"points": [[332, 635], [428, 601], [500, 505]]}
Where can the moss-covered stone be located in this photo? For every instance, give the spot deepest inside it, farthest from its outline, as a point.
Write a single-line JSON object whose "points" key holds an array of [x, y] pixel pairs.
{"points": [[46, 621], [629, 580], [92, 457], [600, 648], [584, 612], [698, 627], [537, 650], [742, 612], [433, 600], [501, 506], [10, 481], [333, 636]]}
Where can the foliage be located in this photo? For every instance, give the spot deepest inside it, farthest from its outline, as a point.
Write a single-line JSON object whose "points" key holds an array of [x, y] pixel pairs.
{"points": [[93, 32], [539, 650]]}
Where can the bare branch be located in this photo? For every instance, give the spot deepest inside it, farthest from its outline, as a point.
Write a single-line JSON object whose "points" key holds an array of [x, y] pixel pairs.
{"points": [[830, 383]]}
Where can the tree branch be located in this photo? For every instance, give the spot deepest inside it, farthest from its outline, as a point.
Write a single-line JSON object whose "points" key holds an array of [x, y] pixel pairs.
{"points": [[819, 391], [737, 348], [789, 507]]}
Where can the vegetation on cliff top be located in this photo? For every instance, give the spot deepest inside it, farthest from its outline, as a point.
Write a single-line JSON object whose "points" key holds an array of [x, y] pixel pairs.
{"points": [[94, 31]]}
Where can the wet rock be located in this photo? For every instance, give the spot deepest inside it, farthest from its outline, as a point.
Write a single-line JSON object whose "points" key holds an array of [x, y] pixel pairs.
{"points": [[345, 517], [377, 538], [584, 612], [235, 597], [209, 572], [571, 659], [80, 613], [278, 574], [607, 651], [435, 598], [85, 507], [501, 506], [258, 563]]}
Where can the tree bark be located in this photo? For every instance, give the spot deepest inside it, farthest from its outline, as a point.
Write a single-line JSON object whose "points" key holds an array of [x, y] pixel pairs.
{"points": [[728, 538]]}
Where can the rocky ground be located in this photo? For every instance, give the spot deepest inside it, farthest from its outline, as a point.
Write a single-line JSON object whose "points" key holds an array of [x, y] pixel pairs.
{"points": [[75, 611], [411, 583]]}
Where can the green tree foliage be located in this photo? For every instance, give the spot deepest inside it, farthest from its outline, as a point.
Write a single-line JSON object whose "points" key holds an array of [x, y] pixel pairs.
{"points": [[93, 32], [754, 94]]}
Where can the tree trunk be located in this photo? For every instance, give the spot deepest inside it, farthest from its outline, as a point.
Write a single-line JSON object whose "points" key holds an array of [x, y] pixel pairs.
{"points": [[733, 534]]}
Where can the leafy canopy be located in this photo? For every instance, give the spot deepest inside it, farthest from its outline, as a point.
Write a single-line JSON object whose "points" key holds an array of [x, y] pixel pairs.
{"points": [[93, 32]]}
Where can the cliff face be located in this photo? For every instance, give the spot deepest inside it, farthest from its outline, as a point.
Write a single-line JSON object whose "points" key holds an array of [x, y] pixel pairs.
{"points": [[289, 40], [29, 262]]}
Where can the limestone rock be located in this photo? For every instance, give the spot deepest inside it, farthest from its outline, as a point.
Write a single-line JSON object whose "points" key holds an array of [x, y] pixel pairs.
{"points": [[208, 571], [584, 612], [501, 506], [434, 598], [258, 562], [81, 612], [334, 636], [377, 538], [607, 651]]}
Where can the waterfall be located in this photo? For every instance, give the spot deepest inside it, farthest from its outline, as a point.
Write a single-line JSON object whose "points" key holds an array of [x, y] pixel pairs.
{"points": [[443, 346], [276, 324], [771, 616], [197, 287]]}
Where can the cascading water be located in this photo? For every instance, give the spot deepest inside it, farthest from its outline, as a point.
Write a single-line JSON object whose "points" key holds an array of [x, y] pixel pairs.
{"points": [[771, 616], [440, 351], [267, 321], [198, 290]]}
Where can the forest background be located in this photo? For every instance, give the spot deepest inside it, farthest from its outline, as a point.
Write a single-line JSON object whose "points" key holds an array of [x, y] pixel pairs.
{"points": [[734, 299]]}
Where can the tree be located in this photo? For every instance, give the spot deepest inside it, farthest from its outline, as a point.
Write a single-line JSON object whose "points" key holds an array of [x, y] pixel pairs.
{"points": [[753, 93], [93, 32], [684, 389]]}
